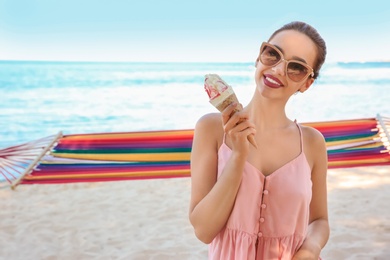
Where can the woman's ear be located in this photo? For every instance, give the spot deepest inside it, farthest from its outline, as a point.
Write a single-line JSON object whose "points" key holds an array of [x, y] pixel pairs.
{"points": [[306, 85]]}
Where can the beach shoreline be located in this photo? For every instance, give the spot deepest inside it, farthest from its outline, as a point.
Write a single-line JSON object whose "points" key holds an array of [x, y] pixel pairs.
{"points": [[148, 219]]}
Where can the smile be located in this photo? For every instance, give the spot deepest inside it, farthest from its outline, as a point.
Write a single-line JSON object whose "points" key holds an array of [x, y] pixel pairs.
{"points": [[272, 82]]}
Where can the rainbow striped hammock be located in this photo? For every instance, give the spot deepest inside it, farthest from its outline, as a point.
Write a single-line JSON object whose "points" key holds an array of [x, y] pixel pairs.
{"points": [[166, 154]]}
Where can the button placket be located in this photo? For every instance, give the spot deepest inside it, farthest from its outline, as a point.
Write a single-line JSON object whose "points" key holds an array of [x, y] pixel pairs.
{"points": [[262, 207]]}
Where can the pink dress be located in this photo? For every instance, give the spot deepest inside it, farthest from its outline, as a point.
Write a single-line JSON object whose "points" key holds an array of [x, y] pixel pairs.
{"points": [[270, 216]]}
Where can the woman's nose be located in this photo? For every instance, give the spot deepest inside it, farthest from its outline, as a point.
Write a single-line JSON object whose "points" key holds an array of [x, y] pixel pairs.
{"points": [[279, 68]]}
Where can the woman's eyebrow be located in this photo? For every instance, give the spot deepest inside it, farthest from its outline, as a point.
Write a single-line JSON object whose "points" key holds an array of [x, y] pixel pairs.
{"points": [[294, 57]]}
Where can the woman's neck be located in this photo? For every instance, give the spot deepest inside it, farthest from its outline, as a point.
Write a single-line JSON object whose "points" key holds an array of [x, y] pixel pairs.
{"points": [[268, 114]]}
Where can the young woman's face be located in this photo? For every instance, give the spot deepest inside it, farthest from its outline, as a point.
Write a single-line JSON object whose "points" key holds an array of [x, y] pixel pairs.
{"points": [[273, 81]]}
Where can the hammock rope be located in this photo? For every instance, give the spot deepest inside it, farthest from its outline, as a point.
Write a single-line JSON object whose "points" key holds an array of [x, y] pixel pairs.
{"points": [[16, 159], [166, 154], [31, 148]]}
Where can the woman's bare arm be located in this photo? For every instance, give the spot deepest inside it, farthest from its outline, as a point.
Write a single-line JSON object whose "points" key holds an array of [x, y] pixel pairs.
{"points": [[212, 200], [318, 230]]}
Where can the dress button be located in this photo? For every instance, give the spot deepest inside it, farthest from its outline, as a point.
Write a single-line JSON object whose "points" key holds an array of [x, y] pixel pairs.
{"points": [[265, 192], [263, 206], [260, 234], [261, 220]]}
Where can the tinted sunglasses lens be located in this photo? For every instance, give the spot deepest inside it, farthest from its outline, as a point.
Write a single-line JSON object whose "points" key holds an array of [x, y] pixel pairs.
{"points": [[269, 56], [296, 71]]}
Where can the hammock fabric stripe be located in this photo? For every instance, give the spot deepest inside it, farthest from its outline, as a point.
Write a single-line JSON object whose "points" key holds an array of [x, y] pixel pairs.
{"points": [[166, 154]]}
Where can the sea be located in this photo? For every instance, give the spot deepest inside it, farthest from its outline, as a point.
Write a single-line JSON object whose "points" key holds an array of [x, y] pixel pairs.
{"points": [[39, 99]]}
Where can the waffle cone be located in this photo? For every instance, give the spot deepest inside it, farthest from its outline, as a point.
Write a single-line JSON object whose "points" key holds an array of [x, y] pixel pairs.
{"points": [[223, 102]]}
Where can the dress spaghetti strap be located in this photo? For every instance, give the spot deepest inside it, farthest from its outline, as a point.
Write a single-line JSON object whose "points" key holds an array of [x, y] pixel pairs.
{"points": [[300, 134]]}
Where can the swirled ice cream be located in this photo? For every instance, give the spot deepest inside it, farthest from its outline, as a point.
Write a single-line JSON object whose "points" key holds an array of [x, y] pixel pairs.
{"points": [[220, 93]]}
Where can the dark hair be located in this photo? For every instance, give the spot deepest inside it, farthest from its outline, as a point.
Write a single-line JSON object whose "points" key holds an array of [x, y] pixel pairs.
{"points": [[313, 35]]}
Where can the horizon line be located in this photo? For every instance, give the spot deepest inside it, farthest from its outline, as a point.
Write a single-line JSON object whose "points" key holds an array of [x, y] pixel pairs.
{"points": [[162, 61]]}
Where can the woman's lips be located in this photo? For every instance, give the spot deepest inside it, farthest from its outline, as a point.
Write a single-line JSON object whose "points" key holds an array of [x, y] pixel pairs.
{"points": [[272, 82]]}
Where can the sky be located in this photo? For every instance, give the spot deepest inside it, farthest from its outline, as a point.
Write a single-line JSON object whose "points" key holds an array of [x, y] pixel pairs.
{"points": [[184, 30]]}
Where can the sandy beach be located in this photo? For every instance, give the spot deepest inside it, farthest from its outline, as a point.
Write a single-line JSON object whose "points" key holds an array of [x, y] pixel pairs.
{"points": [[148, 219]]}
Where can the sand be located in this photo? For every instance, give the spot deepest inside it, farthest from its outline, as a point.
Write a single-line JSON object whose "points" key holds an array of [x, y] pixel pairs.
{"points": [[148, 219]]}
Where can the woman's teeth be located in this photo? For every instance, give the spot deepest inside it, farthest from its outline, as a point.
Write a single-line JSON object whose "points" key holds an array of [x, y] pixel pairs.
{"points": [[273, 81]]}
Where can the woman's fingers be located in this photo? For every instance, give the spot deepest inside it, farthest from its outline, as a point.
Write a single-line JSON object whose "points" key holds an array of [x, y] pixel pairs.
{"points": [[234, 120], [242, 127], [240, 133], [228, 112]]}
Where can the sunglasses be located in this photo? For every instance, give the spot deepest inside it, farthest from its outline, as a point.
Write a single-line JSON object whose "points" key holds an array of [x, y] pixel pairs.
{"points": [[295, 70]]}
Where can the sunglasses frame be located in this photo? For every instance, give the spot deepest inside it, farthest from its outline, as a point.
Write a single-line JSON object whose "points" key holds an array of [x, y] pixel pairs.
{"points": [[310, 71]]}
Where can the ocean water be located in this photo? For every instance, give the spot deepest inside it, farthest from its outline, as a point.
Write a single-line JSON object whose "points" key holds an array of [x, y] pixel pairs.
{"points": [[39, 99]]}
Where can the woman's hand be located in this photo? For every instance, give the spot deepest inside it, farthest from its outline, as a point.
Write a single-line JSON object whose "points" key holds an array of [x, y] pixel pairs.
{"points": [[237, 128], [307, 252], [304, 255]]}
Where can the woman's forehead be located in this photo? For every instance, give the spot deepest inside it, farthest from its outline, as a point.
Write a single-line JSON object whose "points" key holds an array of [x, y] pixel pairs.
{"points": [[295, 44]]}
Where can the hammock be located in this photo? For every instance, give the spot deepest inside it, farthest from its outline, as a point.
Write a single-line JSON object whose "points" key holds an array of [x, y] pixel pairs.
{"points": [[166, 154]]}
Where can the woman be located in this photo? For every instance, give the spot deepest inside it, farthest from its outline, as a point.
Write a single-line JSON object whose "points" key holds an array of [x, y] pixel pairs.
{"points": [[269, 202]]}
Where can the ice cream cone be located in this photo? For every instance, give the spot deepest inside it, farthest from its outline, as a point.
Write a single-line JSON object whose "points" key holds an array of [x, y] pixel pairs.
{"points": [[221, 96]]}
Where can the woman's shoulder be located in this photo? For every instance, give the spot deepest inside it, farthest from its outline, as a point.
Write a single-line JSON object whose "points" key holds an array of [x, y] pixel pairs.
{"points": [[209, 121], [314, 144], [312, 135], [209, 127]]}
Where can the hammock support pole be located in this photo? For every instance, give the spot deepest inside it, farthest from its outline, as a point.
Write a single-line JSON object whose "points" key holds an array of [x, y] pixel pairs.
{"points": [[34, 163], [384, 128]]}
